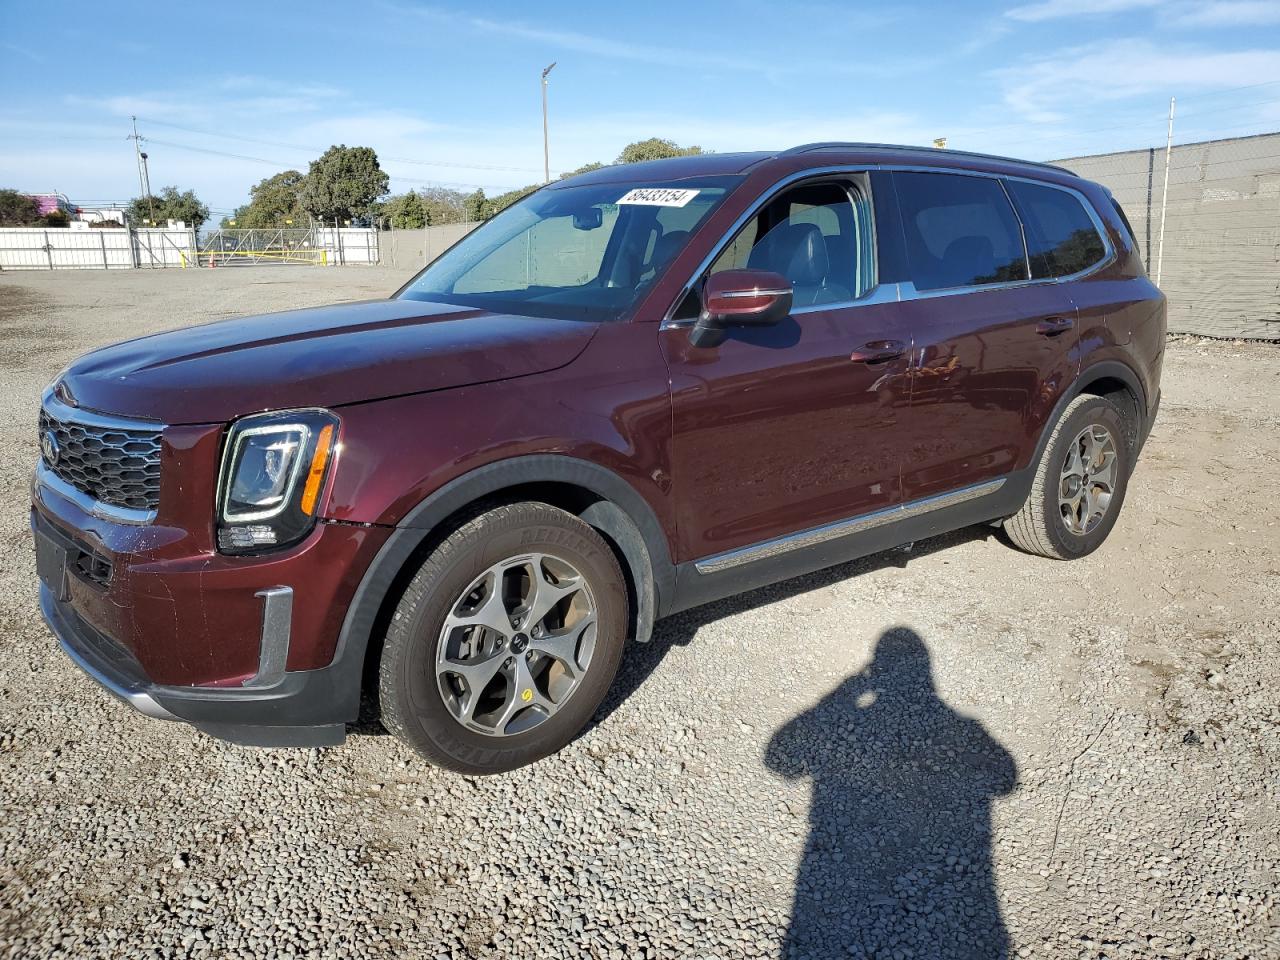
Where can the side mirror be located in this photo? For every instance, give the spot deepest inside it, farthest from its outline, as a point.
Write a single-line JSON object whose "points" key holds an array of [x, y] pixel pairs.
{"points": [[740, 298]]}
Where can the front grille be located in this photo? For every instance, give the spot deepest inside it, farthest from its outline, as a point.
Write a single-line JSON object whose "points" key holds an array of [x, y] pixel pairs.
{"points": [[113, 464]]}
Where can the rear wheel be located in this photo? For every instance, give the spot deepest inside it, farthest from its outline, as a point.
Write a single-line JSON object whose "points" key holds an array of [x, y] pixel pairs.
{"points": [[505, 641], [1080, 484]]}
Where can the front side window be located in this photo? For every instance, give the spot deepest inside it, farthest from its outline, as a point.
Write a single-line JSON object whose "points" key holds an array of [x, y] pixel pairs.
{"points": [[588, 252], [817, 236], [1061, 236], [960, 231]]}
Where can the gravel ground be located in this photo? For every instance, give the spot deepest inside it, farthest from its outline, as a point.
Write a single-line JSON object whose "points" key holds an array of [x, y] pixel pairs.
{"points": [[958, 751]]}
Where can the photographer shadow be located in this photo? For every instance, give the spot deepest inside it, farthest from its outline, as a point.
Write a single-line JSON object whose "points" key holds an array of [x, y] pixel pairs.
{"points": [[898, 856]]}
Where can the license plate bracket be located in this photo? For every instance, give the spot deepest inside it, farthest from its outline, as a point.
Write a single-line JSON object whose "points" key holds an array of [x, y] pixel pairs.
{"points": [[51, 565]]}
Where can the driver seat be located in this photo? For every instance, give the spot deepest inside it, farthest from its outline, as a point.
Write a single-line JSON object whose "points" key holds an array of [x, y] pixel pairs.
{"points": [[798, 251]]}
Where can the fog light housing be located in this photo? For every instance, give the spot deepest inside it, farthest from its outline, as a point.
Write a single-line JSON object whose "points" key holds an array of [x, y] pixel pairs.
{"points": [[273, 471]]}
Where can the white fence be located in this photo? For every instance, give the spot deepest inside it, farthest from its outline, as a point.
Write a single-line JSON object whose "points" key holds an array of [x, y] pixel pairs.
{"points": [[348, 244], [60, 248]]}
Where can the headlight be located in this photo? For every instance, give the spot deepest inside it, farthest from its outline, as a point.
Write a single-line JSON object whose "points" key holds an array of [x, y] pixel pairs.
{"points": [[272, 476]]}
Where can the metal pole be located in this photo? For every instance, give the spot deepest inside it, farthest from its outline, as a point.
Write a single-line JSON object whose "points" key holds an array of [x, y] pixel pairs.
{"points": [[1164, 200], [102, 242], [146, 179], [546, 144], [137, 155]]}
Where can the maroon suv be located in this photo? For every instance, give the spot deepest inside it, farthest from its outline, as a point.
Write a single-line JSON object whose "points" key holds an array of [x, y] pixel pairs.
{"points": [[636, 391]]}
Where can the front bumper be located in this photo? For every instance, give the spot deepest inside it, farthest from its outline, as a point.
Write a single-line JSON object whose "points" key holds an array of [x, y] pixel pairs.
{"points": [[308, 708], [245, 649]]}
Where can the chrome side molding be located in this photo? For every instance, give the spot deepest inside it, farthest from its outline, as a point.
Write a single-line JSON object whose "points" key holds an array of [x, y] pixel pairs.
{"points": [[843, 528]]}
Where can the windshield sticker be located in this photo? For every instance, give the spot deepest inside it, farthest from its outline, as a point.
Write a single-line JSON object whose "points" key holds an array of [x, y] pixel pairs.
{"points": [[658, 197]]}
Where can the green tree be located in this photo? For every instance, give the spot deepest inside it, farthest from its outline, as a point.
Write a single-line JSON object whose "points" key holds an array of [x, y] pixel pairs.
{"points": [[169, 204], [654, 148], [273, 201], [17, 209], [344, 184], [443, 205], [406, 211], [475, 206], [502, 201], [585, 168]]}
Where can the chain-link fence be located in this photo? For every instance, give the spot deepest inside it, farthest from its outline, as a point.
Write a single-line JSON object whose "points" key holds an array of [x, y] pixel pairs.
{"points": [[1220, 263]]}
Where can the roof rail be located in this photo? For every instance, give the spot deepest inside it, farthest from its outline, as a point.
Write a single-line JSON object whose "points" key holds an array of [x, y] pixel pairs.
{"points": [[932, 151]]}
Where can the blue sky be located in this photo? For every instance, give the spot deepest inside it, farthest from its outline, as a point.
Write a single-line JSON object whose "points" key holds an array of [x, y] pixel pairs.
{"points": [[448, 93]]}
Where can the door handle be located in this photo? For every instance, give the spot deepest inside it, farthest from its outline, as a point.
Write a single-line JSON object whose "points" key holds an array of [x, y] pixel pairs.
{"points": [[878, 351], [1054, 326]]}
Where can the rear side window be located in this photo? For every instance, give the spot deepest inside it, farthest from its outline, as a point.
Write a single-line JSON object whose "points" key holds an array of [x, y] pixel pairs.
{"points": [[960, 231], [1061, 236]]}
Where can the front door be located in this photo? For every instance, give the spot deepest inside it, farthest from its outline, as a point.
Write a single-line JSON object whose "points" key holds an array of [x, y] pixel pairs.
{"points": [[784, 428]]}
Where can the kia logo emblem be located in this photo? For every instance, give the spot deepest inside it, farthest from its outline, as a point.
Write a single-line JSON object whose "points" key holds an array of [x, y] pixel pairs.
{"points": [[49, 447]]}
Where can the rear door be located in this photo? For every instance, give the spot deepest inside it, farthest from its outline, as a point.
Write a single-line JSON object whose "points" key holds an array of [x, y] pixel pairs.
{"points": [[993, 348]]}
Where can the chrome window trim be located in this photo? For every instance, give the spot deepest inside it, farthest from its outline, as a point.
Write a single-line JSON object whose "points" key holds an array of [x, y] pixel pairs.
{"points": [[49, 480], [910, 291], [842, 528], [880, 293], [1109, 255], [905, 290]]}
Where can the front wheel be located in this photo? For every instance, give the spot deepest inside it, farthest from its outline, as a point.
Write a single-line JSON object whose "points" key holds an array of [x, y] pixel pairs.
{"points": [[505, 641], [1079, 485]]}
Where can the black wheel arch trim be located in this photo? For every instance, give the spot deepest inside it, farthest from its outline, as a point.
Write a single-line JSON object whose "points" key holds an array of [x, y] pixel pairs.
{"points": [[1103, 369], [621, 514]]}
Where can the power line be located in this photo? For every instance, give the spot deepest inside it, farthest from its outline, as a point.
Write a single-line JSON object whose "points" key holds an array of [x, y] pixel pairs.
{"points": [[287, 166], [314, 149]]}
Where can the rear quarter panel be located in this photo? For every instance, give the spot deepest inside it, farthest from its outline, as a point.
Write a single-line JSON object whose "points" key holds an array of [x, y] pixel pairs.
{"points": [[1121, 312]]}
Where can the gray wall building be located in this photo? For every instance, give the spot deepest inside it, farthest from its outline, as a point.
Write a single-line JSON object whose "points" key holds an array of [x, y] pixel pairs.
{"points": [[1221, 263]]}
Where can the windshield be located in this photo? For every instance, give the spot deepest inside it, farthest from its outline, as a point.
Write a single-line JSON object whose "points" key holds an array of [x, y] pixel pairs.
{"points": [[583, 253]]}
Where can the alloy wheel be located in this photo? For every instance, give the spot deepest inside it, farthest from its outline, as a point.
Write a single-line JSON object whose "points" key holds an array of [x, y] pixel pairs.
{"points": [[516, 644], [1088, 479]]}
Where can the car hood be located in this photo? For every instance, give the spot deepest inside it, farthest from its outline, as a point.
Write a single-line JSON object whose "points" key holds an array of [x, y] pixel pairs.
{"points": [[317, 357]]}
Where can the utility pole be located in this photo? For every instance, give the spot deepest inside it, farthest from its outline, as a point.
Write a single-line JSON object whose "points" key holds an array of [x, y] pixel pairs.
{"points": [[546, 148], [141, 159], [146, 181], [1164, 200]]}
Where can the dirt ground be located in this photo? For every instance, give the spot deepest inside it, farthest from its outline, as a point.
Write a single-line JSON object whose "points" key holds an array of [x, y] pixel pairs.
{"points": [[957, 751]]}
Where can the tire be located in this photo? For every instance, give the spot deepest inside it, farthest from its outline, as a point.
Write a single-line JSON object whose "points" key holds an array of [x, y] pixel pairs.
{"points": [[441, 624], [1044, 525]]}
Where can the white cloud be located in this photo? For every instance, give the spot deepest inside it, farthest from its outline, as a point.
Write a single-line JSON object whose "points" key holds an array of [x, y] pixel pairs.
{"points": [[22, 52], [1057, 9], [1227, 13], [665, 55], [1170, 13], [1046, 90]]}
